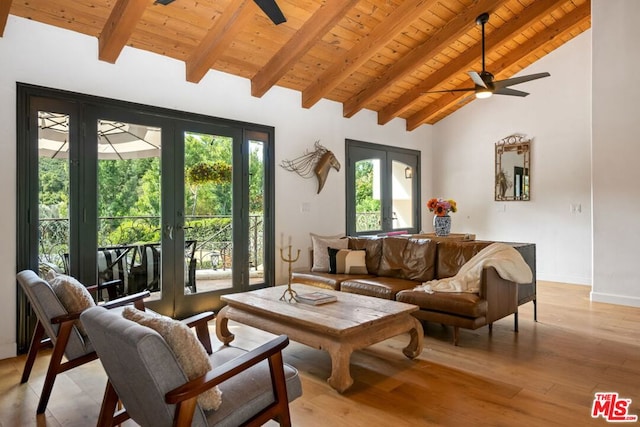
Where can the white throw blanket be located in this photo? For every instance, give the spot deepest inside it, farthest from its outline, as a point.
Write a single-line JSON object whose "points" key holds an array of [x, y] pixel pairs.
{"points": [[504, 258]]}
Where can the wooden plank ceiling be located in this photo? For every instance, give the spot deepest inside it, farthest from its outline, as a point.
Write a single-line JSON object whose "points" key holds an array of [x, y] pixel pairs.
{"points": [[381, 55]]}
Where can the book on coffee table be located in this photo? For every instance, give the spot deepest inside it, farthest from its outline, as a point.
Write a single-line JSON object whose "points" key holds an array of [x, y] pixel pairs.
{"points": [[316, 298]]}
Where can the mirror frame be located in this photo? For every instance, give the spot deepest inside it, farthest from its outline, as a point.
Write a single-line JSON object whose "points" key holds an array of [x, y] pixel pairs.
{"points": [[521, 145]]}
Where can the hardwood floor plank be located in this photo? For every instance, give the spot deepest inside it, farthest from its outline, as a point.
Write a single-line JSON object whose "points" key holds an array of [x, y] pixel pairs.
{"points": [[545, 375]]}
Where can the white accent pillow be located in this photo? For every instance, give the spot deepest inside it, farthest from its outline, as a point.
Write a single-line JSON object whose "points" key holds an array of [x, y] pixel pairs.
{"points": [[321, 245], [190, 353], [73, 295]]}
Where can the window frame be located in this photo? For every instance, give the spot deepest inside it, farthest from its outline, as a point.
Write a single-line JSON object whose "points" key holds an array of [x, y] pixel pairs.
{"points": [[83, 106], [387, 154]]}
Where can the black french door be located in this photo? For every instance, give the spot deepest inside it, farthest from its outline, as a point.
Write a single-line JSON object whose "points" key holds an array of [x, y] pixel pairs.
{"points": [[175, 203], [382, 188]]}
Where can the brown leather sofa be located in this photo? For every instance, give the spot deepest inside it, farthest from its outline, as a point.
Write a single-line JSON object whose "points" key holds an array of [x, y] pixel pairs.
{"points": [[396, 265]]}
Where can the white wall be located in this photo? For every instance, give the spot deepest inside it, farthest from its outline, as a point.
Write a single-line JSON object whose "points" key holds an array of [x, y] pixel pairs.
{"points": [[616, 151], [556, 115], [38, 54]]}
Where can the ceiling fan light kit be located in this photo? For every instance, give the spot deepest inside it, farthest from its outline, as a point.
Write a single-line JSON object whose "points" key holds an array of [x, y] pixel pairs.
{"points": [[483, 93], [484, 85]]}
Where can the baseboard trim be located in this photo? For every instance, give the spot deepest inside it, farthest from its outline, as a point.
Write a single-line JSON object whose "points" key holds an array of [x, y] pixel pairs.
{"points": [[8, 350], [615, 299], [574, 280]]}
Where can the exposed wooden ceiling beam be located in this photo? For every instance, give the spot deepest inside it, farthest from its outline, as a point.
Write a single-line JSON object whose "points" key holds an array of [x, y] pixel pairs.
{"points": [[446, 35], [468, 58], [119, 26], [230, 37], [327, 16], [564, 25], [353, 59], [236, 16], [5, 5]]}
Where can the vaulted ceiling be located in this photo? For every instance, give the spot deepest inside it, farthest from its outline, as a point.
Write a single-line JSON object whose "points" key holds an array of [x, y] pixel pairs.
{"points": [[381, 55]]}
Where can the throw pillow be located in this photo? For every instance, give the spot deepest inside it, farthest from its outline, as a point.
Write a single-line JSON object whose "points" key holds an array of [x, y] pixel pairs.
{"points": [[347, 261], [73, 295], [190, 353], [320, 245]]}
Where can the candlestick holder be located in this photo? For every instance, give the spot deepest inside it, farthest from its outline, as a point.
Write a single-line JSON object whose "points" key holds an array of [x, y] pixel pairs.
{"points": [[289, 294]]}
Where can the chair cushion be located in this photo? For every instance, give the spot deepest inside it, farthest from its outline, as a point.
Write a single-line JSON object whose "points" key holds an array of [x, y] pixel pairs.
{"points": [[249, 391], [189, 352], [73, 295], [321, 244]]}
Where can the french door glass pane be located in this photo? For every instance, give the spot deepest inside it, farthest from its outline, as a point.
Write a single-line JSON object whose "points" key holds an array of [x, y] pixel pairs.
{"points": [[402, 195], [129, 229], [257, 210], [53, 193], [368, 206], [208, 207]]}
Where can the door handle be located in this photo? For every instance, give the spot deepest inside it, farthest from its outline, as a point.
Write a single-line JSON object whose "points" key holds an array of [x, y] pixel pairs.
{"points": [[168, 231]]}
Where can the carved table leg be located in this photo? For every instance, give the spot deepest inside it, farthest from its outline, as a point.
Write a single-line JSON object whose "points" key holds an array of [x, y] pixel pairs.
{"points": [[414, 348], [222, 328], [340, 378]]}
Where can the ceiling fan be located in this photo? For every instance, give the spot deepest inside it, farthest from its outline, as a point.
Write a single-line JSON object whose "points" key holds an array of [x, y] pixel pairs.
{"points": [[485, 86], [271, 9]]}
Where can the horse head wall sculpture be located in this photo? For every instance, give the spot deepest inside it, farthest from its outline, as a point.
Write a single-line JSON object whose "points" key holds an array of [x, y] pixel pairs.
{"points": [[318, 162]]}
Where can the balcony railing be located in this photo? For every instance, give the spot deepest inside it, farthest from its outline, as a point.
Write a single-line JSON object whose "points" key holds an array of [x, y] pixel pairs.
{"points": [[368, 221], [212, 234]]}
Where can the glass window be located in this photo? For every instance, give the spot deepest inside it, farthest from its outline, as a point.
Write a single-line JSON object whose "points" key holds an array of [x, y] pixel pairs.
{"points": [[382, 189]]}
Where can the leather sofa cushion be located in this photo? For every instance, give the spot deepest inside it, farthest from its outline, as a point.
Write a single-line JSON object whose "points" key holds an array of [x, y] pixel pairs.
{"points": [[408, 258], [461, 303], [324, 280], [373, 248], [452, 255], [380, 287]]}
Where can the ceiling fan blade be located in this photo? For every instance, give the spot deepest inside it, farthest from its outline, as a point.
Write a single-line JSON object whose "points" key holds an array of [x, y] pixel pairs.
{"points": [[517, 80], [477, 79], [471, 89], [509, 91], [271, 9]]}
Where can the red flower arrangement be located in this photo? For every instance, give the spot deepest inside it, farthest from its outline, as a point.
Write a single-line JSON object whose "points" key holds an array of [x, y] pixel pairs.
{"points": [[442, 207]]}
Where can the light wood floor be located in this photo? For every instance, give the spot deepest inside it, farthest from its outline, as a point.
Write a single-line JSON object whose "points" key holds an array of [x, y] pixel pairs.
{"points": [[545, 375]]}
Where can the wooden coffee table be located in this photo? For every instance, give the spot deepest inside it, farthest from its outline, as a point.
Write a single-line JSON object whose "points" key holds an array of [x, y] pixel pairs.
{"points": [[351, 323]]}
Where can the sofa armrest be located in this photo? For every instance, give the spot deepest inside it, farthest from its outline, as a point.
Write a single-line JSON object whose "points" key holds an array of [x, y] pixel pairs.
{"points": [[501, 295]]}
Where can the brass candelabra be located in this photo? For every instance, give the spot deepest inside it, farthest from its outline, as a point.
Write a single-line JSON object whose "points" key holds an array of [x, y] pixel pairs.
{"points": [[289, 294]]}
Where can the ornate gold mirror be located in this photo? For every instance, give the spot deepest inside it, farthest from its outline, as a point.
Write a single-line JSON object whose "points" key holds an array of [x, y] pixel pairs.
{"points": [[513, 170]]}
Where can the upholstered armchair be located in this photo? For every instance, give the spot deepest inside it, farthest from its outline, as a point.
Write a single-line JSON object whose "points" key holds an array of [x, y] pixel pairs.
{"points": [[147, 374], [58, 326]]}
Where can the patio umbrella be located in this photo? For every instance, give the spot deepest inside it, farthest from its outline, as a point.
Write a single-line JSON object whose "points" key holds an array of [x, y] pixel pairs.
{"points": [[116, 140]]}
